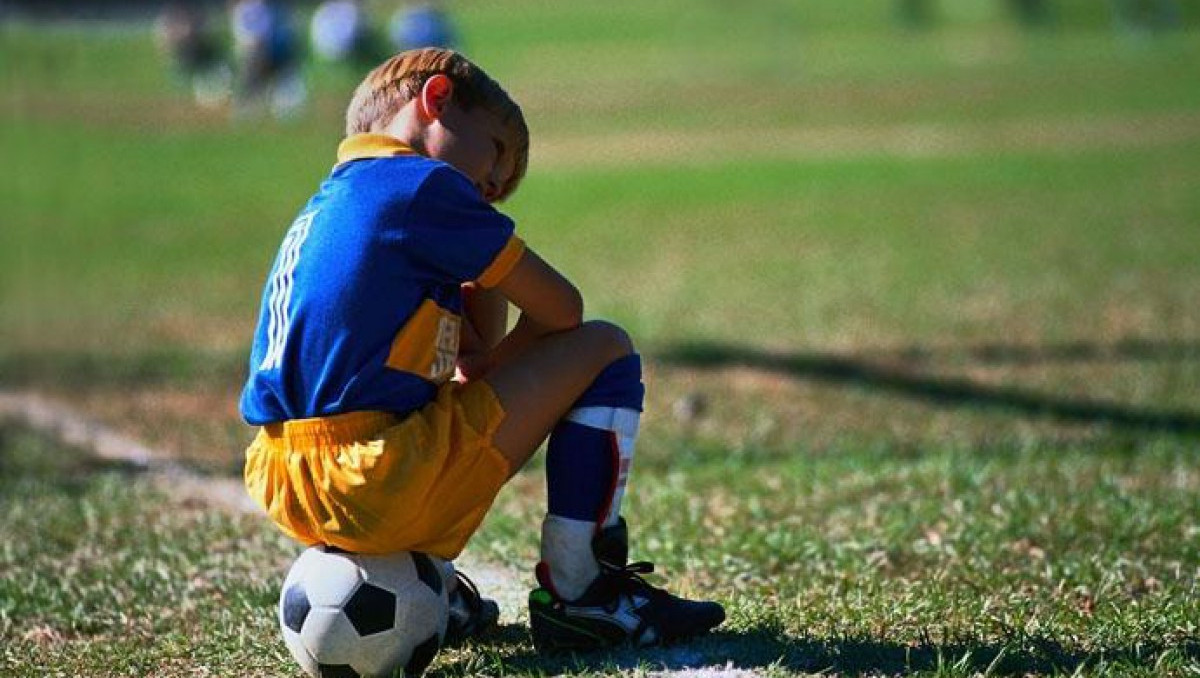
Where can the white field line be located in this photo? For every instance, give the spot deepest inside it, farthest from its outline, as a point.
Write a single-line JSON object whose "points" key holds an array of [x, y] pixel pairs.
{"points": [[69, 426]]}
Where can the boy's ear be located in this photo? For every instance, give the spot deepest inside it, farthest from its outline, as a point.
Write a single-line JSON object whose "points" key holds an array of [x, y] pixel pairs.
{"points": [[435, 96]]}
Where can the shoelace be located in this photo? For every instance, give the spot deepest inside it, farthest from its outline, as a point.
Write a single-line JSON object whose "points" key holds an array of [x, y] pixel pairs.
{"points": [[630, 577], [469, 593], [466, 609]]}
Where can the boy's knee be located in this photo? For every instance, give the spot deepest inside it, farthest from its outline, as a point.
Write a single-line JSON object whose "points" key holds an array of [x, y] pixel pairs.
{"points": [[611, 338], [611, 334], [619, 381]]}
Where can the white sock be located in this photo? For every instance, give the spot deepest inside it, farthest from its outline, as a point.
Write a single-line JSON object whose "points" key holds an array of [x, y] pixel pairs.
{"points": [[567, 551]]}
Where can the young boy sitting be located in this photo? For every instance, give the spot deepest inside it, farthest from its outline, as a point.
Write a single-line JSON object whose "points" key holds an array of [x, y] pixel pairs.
{"points": [[392, 402]]}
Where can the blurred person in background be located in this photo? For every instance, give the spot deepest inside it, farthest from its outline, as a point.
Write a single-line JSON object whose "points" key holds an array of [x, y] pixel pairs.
{"points": [[268, 59], [424, 24], [1143, 16], [340, 33], [183, 33], [1032, 13], [914, 13]]}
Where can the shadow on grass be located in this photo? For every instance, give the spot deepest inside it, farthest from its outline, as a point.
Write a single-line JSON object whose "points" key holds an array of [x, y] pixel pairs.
{"points": [[957, 392], [1126, 350], [755, 650]]}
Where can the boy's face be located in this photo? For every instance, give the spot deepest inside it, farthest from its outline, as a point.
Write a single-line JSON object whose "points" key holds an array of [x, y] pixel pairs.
{"points": [[475, 143]]}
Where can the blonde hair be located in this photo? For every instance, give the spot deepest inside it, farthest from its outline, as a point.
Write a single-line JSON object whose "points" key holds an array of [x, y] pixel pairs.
{"points": [[395, 82]]}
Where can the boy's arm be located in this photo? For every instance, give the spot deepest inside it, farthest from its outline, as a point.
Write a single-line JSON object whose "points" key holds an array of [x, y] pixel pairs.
{"points": [[486, 313], [485, 322], [548, 302]]}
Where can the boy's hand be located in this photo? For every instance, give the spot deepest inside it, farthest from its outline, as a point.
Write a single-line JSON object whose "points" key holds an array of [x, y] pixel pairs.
{"points": [[484, 323], [470, 368], [472, 362]]}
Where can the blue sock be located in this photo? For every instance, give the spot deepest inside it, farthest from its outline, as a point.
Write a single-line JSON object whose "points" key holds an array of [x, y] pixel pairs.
{"points": [[585, 460]]}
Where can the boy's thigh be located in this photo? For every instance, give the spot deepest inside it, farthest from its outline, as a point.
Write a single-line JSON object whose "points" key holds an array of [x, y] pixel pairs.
{"points": [[538, 387]]}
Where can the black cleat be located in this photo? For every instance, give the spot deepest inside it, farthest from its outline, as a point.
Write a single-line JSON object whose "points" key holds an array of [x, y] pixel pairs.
{"points": [[618, 608], [470, 613]]}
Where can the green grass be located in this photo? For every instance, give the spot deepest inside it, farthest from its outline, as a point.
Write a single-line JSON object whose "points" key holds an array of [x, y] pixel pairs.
{"points": [[947, 562], [104, 575], [947, 388]]}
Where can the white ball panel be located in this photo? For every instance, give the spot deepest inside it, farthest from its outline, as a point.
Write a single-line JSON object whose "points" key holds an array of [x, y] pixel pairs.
{"points": [[295, 645], [331, 579], [329, 636], [381, 654], [390, 571], [420, 613]]}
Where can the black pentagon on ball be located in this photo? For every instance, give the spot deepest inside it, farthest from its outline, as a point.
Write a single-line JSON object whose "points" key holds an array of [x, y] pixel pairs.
{"points": [[295, 607], [336, 671], [428, 572], [371, 609], [422, 657]]}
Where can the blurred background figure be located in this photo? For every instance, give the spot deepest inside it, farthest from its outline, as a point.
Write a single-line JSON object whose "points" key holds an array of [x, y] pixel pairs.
{"points": [[1145, 16], [268, 58], [183, 33], [341, 33], [914, 14], [1032, 13], [424, 24]]}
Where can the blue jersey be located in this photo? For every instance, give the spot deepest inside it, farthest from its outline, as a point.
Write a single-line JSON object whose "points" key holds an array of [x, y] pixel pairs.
{"points": [[362, 307]]}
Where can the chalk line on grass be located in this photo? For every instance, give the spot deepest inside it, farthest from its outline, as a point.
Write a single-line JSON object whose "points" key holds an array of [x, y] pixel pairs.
{"points": [[70, 427]]}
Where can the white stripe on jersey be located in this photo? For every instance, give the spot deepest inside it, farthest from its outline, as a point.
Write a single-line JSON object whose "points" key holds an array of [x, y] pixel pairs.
{"points": [[281, 290]]}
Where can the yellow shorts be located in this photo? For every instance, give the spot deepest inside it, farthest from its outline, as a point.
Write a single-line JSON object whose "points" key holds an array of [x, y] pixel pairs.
{"points": [[372, 482]]}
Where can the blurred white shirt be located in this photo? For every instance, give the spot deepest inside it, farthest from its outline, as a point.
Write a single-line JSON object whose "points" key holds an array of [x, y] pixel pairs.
{"points": [[253, 24], [335, 28]]}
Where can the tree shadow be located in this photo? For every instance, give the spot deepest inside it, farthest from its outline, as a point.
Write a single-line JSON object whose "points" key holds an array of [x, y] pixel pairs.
{"points": [[959, 392], [1125, 350], [760, 649]]}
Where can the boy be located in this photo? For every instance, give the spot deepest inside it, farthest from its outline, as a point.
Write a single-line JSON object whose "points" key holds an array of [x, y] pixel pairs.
{"points": [[395, 278]]}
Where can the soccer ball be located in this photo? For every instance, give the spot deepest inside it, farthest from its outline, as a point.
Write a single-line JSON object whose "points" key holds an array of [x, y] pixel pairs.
{"points": [[349, 615]]}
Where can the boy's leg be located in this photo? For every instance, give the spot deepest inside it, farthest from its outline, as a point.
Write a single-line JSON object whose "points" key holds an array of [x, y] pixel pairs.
{"points": [[587, 465], [535, 390], [538, 387], [587, 385]]}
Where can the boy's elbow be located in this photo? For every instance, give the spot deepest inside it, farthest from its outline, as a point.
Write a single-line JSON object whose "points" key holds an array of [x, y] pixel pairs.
{"points": [[570, 315]]}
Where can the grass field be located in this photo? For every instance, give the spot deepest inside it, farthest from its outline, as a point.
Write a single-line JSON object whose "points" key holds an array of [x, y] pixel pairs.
{"points": [[919, 312]]}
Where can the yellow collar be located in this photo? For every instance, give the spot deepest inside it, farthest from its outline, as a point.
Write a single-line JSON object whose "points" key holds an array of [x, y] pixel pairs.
{"points": [[359, 146]]}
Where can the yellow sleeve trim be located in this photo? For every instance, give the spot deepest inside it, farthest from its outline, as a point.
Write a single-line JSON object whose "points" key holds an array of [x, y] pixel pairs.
{"points": [[359, 146], [504, 263]]}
